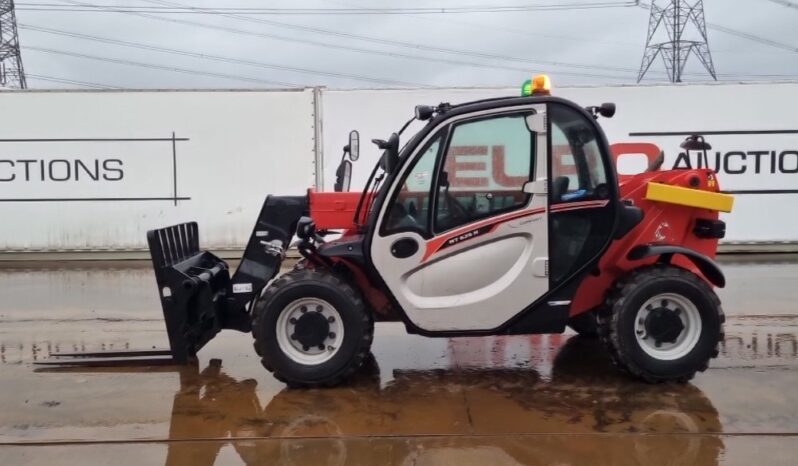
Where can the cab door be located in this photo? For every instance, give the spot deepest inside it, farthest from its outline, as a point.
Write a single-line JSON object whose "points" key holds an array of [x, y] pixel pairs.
{"points": [[581, 196], [459, 242]]}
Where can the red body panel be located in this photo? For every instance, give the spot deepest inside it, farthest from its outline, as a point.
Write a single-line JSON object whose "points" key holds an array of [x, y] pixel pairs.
{"points": [[333, 211], [662, 223]]}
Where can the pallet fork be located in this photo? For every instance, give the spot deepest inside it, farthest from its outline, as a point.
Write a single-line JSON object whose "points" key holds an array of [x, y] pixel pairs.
{"points": [[199, 296]]}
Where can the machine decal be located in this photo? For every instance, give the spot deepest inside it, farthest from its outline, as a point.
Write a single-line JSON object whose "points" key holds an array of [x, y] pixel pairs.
{"points": [[578, 205], [483, 227], [467, 236], [662, 232], [242, 287], [489, 225]]}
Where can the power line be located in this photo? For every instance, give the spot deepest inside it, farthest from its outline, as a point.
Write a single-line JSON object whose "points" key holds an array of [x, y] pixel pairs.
{"points": [[592, 40], [383, 53], [261, 64], [205, 56], [158, 67], [786, 3], [402, 44], [330, 11], [528, 32], [38, 77], [752, 37], [741, 76]]}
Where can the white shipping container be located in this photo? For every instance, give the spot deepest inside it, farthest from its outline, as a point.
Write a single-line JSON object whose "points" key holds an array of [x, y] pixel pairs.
{"points": [[752, 127], [96, 170]]}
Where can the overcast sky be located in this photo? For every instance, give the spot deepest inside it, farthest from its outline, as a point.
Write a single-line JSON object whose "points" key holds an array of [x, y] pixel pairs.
{"points": [[575, 47]]}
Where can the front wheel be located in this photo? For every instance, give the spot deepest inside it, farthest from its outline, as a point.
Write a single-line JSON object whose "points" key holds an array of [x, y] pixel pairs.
{"points": [[662, 323], [312, 328]]}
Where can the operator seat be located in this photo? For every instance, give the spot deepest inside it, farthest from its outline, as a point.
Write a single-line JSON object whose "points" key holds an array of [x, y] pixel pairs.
{"points": [[559, 187]]}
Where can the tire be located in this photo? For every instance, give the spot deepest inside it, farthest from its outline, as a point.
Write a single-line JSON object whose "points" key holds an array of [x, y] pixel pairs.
{"points": [[642, 335], [314, 305], [585, 324]]}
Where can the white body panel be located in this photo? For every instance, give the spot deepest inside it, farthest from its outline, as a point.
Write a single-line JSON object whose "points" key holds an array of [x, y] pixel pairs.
{"points": [[499, 262], [474, 283]]}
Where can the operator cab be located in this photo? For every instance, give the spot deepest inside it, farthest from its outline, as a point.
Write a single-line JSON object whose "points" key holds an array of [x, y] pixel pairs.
{"points": [[490, 211]]}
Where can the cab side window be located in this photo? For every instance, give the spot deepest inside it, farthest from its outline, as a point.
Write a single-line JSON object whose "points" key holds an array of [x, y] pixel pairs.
{"points": [[409, 211], [486, 164], [577, 169]]}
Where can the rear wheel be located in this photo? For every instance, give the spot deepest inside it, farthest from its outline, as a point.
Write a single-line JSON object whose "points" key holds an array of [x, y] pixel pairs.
{"points": [[662, 323], [312, 328]]}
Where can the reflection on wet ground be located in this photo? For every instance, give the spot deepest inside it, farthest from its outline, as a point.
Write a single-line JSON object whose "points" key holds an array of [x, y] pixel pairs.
{"points": [[496, 415], [544, 399]]}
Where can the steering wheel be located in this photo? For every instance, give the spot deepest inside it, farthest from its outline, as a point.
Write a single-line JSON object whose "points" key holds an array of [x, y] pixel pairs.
{"points": [[401, 218], [602, 191]]}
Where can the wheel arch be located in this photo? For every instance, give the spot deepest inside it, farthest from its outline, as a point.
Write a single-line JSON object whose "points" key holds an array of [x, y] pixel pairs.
{"points": [[665, 252], [618, 317], [378, 304]]}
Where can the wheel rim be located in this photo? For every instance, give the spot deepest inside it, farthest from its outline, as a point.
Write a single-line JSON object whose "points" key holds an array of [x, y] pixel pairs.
{"points": [[668, 326], [310, 331]]}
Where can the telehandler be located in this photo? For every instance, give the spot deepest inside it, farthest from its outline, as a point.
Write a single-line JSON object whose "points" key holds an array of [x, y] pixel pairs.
{"points": [[502, 216]]}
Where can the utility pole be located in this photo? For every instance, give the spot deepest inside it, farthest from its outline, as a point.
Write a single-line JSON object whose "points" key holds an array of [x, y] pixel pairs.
{"points": [[674, 19], [12, 74]]}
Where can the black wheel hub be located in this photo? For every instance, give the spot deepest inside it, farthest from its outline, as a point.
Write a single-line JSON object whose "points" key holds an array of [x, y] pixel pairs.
{"points": [[664, 325], [311, 329]]}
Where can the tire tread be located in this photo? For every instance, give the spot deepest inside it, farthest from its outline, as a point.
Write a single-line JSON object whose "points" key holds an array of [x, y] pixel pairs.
{"points": [[610, 313], [292, 278]]}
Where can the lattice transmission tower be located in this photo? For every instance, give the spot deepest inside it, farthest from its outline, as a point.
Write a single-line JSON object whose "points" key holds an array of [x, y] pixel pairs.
{"points": [[12, 74], [682, 23]]}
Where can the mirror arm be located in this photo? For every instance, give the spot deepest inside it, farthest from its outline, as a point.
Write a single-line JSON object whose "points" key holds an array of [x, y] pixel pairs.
{"points": [[406, 125]]}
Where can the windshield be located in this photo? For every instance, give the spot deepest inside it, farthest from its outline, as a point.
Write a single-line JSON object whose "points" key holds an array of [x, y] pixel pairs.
{"points": [[371, 190], [390, 160]]}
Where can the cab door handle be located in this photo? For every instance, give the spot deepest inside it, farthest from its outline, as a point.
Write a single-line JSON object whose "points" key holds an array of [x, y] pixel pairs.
{"points": [[404, 248]]}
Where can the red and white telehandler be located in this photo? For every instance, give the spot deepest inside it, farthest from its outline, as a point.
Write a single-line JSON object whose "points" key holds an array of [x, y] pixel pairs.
{"points": [[499, 217]]}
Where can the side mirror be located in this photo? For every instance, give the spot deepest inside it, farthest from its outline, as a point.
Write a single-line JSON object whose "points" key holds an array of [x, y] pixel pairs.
{"points": [[354, 145], [539, 186], [343, 176], [607, 110]]}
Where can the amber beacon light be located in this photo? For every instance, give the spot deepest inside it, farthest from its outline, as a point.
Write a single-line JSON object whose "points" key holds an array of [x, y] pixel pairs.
{"points": [[539, 85]]}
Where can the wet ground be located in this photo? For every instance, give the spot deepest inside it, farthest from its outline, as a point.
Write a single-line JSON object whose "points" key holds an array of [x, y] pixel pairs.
{"points": [[465, 401]]}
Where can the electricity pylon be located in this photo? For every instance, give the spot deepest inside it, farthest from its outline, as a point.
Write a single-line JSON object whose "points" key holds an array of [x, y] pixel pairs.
{"points": [[677, 18], [12, 74]]}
